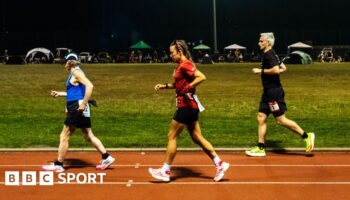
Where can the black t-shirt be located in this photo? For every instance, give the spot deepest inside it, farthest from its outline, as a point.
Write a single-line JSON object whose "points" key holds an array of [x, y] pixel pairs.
{"points": [[269, 60]]}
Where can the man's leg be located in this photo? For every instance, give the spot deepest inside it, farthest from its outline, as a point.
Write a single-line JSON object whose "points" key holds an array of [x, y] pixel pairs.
{"points": [[309, 138], [262, 129], [290, 124], [262, 126]]}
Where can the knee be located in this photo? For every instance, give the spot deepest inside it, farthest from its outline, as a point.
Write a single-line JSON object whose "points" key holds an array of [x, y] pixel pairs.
{"points": [[196, 139], [280, 121], [64, 137], [171, 136], [261, 118], [87, 138]]}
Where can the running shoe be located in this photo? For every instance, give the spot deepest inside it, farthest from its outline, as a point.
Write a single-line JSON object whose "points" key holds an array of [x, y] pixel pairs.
{"points": [[256, 152], [310, 142], [53, 168], [159, 174], [220, 171], [105, 163]]}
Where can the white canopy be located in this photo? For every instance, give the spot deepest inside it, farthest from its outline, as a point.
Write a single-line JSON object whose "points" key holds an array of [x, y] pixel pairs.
{"points": [[34, 51], [234, 46], [300, 45]]}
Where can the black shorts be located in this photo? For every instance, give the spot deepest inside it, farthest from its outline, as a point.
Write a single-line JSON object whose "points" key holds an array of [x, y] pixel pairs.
{"points": [[272, 101], [186, 115], [75, 118]]}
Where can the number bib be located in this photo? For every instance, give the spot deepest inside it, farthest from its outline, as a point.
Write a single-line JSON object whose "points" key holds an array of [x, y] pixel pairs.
{"points": [[274, 106], [86, 112], [200, 106]]}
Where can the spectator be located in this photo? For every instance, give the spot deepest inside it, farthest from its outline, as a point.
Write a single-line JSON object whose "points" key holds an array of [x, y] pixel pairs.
{"points": [[238, 56], [321, 56], [155, 56], [132, 57], [139, 54], [164, 57], [148, 58], [339, 59], [230, 56], [6, 55]]}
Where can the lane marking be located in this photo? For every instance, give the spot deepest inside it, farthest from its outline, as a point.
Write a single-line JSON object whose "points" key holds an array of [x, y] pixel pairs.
{"points": [[131, 182], [128, 184], [137, 165], [233, 165]]}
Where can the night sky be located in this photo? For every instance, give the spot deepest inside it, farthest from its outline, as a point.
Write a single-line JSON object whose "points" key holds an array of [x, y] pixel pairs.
{"points": [[114, 25]]}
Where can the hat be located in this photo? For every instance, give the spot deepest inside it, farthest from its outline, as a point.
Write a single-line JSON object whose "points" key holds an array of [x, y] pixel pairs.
{"points": [[71, 56]]}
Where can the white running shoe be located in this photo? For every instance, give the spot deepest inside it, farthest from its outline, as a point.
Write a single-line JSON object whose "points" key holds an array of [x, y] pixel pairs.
{"points": [[159, 174], [220, 171], [105, 163], [53, 168]]}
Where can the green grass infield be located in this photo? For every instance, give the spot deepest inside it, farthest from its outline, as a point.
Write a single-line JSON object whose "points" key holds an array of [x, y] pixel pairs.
{"points": [[131, 114]]}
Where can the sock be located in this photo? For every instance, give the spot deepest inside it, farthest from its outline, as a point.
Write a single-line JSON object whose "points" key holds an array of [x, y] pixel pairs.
{"points": [[304, 136], [165, 167], [261, 145], [217, 161], [58, 163], [105, 155]]}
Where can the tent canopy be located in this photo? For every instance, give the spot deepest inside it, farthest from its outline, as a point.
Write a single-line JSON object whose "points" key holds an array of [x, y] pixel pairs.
{"points": [[34, 51], [234, 46], [140, 45], [299, 57], [300, 45], [201, 47], [40, 50]]}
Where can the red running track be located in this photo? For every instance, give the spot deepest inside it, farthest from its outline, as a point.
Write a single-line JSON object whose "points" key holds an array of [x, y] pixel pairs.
{"points": [[291, 175]]}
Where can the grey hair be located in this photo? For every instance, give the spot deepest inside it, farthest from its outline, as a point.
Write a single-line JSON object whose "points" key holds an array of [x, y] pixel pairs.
{"points": [[74, 63], [269, 37]]}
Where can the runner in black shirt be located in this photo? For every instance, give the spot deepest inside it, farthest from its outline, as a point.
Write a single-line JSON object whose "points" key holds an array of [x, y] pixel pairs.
{"points": [[272, 100]]}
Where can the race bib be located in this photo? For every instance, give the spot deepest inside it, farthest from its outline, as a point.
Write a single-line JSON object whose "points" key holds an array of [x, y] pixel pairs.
{"points": [[200, 106], [86, 112], [274, 106]]}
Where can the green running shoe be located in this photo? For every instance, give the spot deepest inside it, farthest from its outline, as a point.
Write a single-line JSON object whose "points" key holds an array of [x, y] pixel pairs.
{"points": [[256, 152], [310, 142]]}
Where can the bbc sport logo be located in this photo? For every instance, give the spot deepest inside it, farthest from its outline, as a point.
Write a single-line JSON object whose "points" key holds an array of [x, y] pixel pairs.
{"points": [[44, 178]]}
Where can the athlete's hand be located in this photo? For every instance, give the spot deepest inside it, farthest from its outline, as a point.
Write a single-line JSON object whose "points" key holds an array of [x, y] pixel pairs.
{"points": [[159, 87], [81, 107], [256, 70], [283, 67], [54, 93]]}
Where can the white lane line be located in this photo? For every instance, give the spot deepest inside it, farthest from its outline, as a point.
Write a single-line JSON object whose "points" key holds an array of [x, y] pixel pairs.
{"points": [[233, 165], [131, 182], [137, 165], [128, 184]]}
